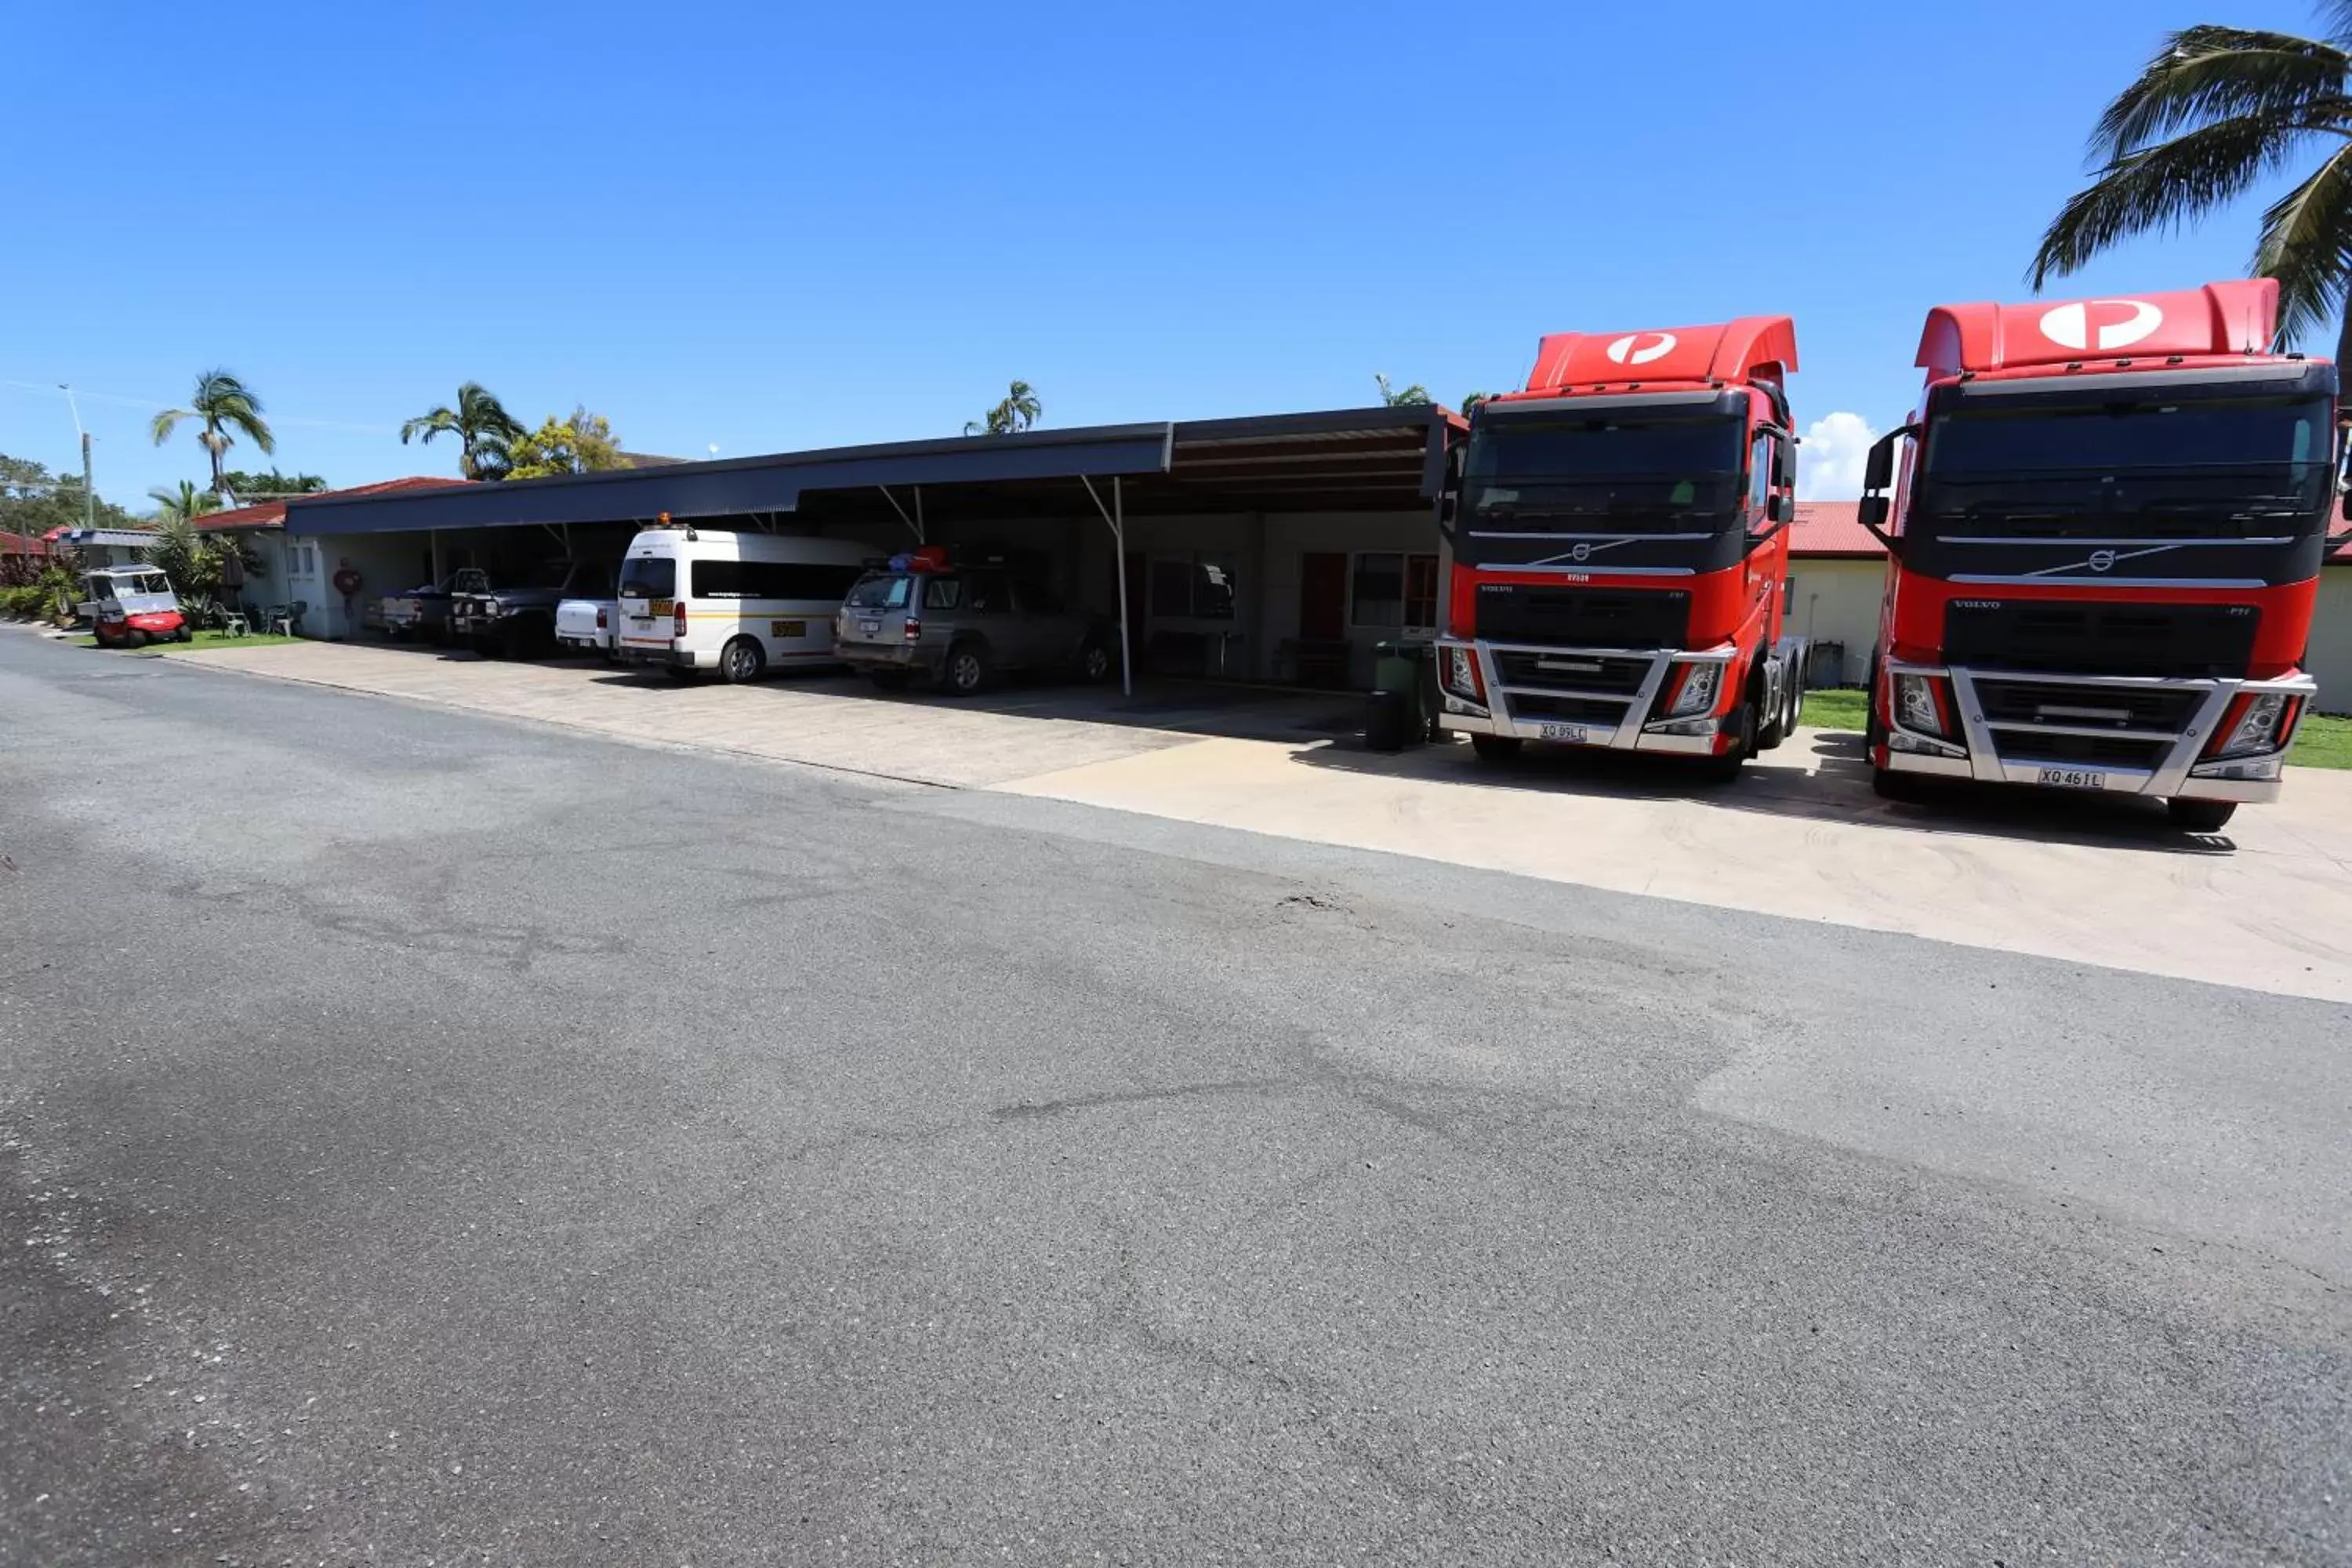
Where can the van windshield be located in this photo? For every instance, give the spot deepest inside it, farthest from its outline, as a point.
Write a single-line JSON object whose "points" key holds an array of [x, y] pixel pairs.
{"points": [[649, 577], [880, 593]]}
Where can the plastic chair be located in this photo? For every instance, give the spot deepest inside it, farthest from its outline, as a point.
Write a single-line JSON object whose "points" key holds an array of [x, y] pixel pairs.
{"points": [[285, 622], [233, 624]]}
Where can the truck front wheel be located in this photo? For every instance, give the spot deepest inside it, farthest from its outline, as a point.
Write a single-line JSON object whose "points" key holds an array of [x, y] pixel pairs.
{"points": [[1496, 748], [2201, 816]]}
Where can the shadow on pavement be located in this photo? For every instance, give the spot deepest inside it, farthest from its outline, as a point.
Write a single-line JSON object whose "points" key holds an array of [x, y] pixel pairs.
{"points": [[1830, 784]]}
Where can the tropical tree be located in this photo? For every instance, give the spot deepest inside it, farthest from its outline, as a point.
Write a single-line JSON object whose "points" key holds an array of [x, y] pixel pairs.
{"points": [[2216, 110], [248, 487], [486, 432], [584, 443], [1399, 398], [223, 403], [1475, 399], [183, 505], [1020, 410]]}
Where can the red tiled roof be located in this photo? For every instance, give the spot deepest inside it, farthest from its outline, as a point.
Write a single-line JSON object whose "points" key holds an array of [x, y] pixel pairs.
{"points": [[272, 513], [23, 544], [1831, 529]]}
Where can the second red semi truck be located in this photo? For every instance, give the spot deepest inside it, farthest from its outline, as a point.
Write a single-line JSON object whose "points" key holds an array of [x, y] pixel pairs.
{"points": [[1617, 543], [2105, 543]]}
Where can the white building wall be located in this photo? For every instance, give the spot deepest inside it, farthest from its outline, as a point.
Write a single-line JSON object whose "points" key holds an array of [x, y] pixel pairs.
{"points": [[2331, 640], [1836, 600]]}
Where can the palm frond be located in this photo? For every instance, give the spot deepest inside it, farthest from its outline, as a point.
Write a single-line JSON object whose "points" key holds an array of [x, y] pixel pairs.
{"points": [[425, 427], [2306, 245], [2336, 15], [167, 422], [2161, 188], [2209, 73]]}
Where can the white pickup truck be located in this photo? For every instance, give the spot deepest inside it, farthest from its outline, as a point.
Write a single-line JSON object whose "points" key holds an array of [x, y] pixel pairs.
{"points": [[587, 625]]}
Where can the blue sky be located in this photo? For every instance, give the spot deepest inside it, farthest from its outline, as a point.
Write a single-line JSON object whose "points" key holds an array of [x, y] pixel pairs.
{"points": [[771, 228]]}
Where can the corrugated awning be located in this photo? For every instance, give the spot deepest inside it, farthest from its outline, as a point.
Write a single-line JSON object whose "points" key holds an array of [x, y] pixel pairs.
{"points": [[745, 486]]}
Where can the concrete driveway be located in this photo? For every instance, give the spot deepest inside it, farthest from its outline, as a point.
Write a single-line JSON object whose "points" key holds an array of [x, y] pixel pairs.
{"points": [[2267, 905]]}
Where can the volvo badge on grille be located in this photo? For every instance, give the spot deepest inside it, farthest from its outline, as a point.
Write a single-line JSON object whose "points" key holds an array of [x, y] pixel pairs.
{"points": [[2103, 560]]}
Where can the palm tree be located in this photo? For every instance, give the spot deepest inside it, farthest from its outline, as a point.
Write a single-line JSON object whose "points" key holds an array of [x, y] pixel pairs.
{"points": [[1416, 393], [1019, 411], [223, 403], [486, 432], [2218, 109], [184, 505]]}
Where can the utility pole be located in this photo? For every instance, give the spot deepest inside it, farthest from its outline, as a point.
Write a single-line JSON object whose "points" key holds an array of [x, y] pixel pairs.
{"points": [[89, 490]]}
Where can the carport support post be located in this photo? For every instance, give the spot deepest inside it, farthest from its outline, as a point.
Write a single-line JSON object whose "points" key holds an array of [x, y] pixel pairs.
{"points": [[1117, 516]]}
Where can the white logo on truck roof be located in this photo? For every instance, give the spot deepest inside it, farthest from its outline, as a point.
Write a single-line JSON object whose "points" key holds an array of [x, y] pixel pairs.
{"points": [[2069, 326], [1633, 348]]}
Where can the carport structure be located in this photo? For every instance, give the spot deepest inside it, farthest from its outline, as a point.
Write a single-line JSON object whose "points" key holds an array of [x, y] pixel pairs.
{"points": [[1272, 547]]}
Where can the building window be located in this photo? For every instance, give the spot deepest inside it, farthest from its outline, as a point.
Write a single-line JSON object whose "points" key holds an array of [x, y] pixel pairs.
{"points": [[1391, 591], [1192, 588]]}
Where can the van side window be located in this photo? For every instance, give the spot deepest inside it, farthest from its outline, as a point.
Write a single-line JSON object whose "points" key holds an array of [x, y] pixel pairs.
{"points": [[771, 580]]}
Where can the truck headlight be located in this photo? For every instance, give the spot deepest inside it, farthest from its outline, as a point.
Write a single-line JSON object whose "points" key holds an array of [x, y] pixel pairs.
{"points": [[1915, 704], [1697, 693], [2257, 729], [490, 607], [1461, 673]]}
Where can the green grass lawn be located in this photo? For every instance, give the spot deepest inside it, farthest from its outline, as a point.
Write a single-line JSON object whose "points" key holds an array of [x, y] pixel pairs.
{"points": [[2324, 741], [201, 641]]}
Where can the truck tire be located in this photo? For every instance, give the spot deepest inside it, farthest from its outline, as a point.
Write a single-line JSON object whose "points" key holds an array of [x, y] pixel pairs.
{"points": [[741, 659], [2201, 816], [1096, 662], [514, 640], [1725, 768], [1776, 728], [1497, 748], [964, 672]]}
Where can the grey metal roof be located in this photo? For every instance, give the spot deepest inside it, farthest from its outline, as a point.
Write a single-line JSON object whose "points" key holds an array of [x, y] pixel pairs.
{"points": [[1355, 460]]}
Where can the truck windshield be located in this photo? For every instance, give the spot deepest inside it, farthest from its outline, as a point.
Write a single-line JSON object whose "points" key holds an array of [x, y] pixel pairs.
{"points": [[1624, 488], [2181, 464], [649, 577]]}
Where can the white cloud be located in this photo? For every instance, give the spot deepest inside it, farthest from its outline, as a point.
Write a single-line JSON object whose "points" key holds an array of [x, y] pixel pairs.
{"points": [[1829, 457]]}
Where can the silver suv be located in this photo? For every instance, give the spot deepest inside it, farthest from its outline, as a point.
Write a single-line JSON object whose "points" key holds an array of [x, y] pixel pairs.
{"points": [[964, 626]]}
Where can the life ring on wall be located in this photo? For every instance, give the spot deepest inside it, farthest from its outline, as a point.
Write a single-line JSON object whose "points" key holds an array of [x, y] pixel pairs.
{"points": [[347, 582]]}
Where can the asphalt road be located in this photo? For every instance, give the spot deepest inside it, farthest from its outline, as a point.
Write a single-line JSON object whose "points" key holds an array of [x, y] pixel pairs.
{"points": [[432, 1139]]}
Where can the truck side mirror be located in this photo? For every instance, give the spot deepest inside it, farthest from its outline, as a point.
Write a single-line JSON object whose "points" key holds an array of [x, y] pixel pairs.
{"points": [[1783, 509], [1871, 512], [1784, 460], [1878, 468]]}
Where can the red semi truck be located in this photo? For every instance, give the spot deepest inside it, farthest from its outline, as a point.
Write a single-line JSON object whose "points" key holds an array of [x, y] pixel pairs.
{"points": [[1617, 543], [2103, 546]]}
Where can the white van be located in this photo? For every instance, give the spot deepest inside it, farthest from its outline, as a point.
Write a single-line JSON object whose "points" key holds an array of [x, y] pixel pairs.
{"points": [[740, 603]]}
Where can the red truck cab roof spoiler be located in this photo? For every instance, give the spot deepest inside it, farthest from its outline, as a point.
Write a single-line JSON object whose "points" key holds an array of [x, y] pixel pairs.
{"points": [[2221, 320], [1753, 349]]}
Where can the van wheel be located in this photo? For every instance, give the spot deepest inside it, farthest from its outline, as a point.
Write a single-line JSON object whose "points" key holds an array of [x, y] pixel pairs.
{"points": [[740, 660], [2201, 816], [965, 671], [1094, 662]]}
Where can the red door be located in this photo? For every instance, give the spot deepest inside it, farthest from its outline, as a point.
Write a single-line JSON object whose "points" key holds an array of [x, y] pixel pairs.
{"points": [[1322, 597]]}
